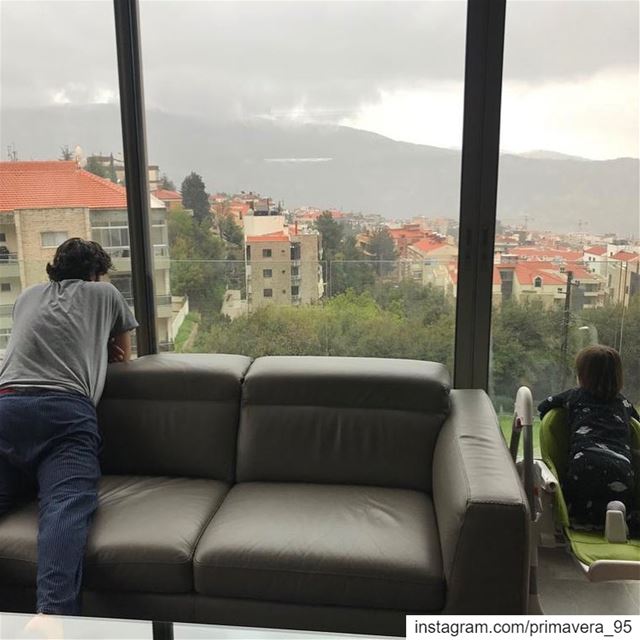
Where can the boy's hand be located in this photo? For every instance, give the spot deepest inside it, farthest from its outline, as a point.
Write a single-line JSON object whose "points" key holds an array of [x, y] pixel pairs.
{"points": [[115, 353]]}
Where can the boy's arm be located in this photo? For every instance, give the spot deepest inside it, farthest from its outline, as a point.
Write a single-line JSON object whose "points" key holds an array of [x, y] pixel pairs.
{"points": [[553, 402], [120, 347]]}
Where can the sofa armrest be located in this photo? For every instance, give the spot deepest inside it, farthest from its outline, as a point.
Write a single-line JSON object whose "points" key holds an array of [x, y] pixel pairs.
{"points": [[482, 512]]}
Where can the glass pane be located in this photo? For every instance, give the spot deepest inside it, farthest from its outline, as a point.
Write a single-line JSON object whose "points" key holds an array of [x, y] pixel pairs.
{"points": [[310, 167], [61, 140], [567, 270]]}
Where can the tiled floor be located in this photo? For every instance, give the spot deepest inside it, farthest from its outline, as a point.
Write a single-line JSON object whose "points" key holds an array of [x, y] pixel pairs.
{"points": [[564, 589]]}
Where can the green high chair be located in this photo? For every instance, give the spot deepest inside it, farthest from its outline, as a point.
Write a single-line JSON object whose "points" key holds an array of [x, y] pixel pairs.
{"points": [[598, 558]]}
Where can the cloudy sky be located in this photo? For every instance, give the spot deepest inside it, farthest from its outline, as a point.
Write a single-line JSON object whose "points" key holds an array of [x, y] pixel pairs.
{"points": [[396, 68]]}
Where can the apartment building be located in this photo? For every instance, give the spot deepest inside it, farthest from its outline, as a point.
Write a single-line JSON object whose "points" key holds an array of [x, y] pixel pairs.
{"points": [[44, 203], [283, 262]]}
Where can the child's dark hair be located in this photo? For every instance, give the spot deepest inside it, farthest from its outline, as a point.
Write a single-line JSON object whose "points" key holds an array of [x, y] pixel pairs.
{"points": [[599, 370], [78, 259]]}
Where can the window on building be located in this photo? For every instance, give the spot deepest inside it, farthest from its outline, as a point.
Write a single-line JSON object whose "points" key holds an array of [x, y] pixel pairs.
{"points": [[111, 231], [267, 273], [266, 253], [537, 283], [124, 285], [295, 291], [3, 237], [295, 271], [5, 286], [248, 252], [52, 239], [267, 293]]}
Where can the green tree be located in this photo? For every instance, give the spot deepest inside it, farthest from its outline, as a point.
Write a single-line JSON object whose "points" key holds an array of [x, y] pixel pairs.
{"points": [[382, 250], [526, 339], [230, 230], [195, 197], [66, 153], [331, 232], [349, 269], [619, 327], [111, 170], [166, 183], [94, 166], [197, 262]]}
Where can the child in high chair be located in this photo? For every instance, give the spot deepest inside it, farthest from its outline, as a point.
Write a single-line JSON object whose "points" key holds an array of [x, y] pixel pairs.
{"points": [[599, 469]]}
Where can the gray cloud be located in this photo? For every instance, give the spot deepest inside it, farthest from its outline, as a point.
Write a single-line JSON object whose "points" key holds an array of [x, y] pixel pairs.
{"points": [[249, 58]]}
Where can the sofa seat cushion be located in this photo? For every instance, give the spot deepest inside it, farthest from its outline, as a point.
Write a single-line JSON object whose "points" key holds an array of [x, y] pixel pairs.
{"points": [[323, 544], [142, 537]]}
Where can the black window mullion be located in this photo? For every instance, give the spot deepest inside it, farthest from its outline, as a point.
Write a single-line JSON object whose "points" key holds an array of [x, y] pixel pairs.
{"points": [[127, 21], [479, 184]]}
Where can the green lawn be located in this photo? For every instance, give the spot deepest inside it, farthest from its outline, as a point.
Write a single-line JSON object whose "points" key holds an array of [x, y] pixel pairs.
{"points": [[185, 330], [505, 425]]}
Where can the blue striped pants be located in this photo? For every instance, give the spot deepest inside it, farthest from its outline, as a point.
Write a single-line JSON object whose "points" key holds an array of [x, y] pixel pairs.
{"points": [[49, 442]]}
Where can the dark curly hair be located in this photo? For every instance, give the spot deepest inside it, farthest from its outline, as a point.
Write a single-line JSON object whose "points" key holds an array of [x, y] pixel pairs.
{"points": [[78, 259]]}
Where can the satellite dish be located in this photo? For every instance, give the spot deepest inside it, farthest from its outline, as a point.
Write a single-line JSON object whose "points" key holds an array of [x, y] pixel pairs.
{"points": [[79, 157]]}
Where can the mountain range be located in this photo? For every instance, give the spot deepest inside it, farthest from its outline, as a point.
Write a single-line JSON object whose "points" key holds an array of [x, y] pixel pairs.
{"points": [[334, 166]]}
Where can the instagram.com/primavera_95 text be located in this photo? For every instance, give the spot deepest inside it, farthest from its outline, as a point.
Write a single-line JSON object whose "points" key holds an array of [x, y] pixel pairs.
{"points": [[522, 627]]}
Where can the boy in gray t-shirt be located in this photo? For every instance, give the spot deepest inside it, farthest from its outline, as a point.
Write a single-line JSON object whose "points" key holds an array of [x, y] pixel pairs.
{"points": [[64, 333]]}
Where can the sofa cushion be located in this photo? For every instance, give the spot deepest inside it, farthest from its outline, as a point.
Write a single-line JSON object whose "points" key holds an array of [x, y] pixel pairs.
{"points": [[172, 415], [366, 421], [142, 538], [324, 545]]}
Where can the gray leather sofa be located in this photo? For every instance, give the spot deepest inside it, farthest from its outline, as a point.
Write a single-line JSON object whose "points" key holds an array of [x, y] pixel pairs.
{"points": [[295, 492]]}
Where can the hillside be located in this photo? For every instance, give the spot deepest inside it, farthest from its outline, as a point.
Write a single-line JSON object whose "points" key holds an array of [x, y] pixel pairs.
{"points": [[331, 166]]}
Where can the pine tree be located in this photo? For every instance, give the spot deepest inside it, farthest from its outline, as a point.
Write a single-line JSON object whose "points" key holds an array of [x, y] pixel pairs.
{"points": [[166, 183], [195, 197]]}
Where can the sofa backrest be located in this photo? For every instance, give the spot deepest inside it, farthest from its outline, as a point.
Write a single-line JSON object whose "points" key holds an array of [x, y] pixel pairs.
{"points": [[366, 421], [172, 414]]}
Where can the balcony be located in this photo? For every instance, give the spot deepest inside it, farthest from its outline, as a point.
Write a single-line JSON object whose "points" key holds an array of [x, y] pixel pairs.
{"points": [[9, 265], [163, 306]]}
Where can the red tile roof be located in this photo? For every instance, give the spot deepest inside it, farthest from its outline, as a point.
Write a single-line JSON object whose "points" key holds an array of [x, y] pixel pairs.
{"points": [[545, 253], [426, 246], [625, 256], [166, 194], [278, 236], [596, 251], [56, 184]]}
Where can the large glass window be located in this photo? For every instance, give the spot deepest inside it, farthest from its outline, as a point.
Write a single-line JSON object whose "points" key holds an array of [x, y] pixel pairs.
{"points": [[567, 259], [61, 141], [313, 151]]}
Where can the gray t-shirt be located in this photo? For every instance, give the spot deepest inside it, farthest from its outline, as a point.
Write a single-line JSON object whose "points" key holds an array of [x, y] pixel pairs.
{"points": [[60, 335]]}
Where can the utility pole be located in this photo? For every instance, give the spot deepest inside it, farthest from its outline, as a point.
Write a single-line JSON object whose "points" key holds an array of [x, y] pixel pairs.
{"points": [[564, 348]]}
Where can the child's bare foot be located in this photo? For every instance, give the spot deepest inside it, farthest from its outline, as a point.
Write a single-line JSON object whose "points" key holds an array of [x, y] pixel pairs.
{"points": [[46, 626]]}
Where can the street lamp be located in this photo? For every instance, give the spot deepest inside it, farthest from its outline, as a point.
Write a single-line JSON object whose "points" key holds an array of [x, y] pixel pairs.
{"points": [[592, 333]]}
